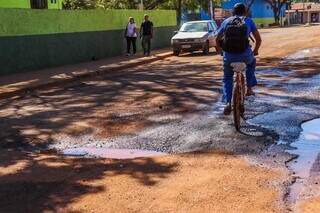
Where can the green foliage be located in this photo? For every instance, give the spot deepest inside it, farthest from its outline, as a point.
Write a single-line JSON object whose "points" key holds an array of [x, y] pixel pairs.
{"points": [[79, 4], [116, 4], [133, 4]]}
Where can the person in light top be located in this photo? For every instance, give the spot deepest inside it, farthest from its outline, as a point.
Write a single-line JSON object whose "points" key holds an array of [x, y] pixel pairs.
{"points": [[131, 36]]}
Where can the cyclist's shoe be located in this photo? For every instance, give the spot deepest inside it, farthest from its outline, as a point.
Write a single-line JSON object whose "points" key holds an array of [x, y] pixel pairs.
{"points": [[227, 110]]}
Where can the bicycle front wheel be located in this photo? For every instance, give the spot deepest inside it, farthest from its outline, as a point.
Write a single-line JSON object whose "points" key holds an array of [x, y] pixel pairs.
{"points": [[237, 106]]}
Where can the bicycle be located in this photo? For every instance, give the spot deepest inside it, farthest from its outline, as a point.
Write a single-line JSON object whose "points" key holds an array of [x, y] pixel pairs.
{"points": [[238, 93]]}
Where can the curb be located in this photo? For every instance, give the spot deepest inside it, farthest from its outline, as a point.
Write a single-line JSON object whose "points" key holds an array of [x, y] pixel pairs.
{"points": [[76, 77]]}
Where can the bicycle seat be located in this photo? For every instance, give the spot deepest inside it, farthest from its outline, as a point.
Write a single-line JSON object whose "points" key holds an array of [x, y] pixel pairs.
{"points": [[238, 66]]}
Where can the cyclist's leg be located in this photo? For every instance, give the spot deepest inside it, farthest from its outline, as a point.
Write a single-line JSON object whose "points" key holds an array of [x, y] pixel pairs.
{"points": [[251, 75], [227, 85]]}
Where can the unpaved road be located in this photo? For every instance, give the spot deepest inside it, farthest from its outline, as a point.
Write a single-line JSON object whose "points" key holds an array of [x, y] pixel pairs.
{"points": [[170, 106]]}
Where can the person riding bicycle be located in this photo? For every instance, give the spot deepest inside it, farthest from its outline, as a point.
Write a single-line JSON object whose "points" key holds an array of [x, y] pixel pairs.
{"points": [[233, 40]]}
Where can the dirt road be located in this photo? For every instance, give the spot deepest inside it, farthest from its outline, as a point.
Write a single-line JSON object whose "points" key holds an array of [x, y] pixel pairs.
{"points": [[170, 106]]}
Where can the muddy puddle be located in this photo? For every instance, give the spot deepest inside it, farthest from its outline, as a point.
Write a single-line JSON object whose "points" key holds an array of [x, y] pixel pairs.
{"points": [[307, 150], [110, 153]]}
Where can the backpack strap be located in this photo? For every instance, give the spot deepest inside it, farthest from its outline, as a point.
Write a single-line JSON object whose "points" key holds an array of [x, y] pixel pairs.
{"points": [[236, 20]]}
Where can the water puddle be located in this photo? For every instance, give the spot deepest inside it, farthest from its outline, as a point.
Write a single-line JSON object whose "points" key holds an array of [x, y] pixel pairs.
{"points": [[274, 72], [217, 109], [307, 148], [302, 56], [111, 153]]}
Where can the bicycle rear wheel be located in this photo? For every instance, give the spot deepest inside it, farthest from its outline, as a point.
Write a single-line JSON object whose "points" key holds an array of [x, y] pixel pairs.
{"points": [[237, 108], [243, 92]]}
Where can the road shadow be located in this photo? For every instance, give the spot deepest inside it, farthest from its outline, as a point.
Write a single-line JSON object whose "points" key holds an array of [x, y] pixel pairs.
{"points": [[304, 67], [49, 183], [113, 104], [198, 54]]}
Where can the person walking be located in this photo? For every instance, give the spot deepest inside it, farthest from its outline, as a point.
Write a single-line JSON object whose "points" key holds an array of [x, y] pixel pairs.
{"points": [[146, 35], [233, 39], [131, 36]]}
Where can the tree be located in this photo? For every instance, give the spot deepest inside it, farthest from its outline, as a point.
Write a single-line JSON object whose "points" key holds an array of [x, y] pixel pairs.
{"points": [[93, 4], [148, 4], [116, 4], [78, 4], [276, 6], [177, 5]]}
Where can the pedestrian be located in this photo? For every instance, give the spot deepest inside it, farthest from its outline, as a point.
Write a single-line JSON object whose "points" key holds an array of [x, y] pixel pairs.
{"points": [[131, 36], [233, 39], [146, 35]]}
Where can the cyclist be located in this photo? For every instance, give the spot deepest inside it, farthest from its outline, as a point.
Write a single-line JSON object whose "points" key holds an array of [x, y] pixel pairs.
{"points": [[233, 40]]}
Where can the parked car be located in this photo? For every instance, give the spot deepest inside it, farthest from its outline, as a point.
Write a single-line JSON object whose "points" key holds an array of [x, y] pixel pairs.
{"points": [[193, 36]]}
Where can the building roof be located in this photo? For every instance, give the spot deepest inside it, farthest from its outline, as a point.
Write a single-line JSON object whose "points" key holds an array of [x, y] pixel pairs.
{"points": [[305, 6]]}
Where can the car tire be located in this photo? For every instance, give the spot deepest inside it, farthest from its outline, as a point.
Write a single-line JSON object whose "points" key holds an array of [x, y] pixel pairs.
{"points": [[176, 52], [206, 48]]}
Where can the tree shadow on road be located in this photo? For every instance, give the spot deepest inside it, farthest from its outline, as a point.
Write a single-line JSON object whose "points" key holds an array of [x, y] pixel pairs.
{"points": [[198, 54], [303, 68], [119, 103], [41, 183], [116, 103]]}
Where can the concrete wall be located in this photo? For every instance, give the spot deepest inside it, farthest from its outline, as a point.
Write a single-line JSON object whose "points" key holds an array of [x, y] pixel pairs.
{"points": [[26, 4], [36, 39], [14, 3]]}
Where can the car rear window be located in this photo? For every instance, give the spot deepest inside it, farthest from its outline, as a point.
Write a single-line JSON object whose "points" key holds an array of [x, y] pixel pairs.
{"points": [[195, 27]]}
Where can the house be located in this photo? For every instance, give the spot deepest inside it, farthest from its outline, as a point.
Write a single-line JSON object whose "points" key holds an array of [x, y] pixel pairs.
{"points": [[261, 11], [31, 4], [303, 13]]}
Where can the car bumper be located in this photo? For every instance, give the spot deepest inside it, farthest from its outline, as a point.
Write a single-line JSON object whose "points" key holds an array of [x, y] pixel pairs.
{"points": [[188, 46]]}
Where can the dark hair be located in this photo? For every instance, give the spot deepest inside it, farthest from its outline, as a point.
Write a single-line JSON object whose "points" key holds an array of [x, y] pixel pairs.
{"points": [[239, 9]]}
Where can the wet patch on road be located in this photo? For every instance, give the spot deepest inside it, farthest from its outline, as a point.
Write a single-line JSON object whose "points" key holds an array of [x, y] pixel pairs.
{"points": [[195, 132], [288, 106], [301, 56], [267, 113], [110, 153], [306, 165], [286, 122]]}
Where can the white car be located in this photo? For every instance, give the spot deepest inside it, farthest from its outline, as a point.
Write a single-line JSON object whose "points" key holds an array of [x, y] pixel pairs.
{"points": [[193, 36]]}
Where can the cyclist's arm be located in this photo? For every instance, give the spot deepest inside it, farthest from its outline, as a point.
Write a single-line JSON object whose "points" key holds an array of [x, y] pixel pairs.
{"points": [[219, 35], [218, 40], [258, 39]]}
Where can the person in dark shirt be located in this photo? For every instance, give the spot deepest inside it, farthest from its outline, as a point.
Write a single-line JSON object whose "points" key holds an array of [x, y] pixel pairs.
{"points": [[146, 34]]}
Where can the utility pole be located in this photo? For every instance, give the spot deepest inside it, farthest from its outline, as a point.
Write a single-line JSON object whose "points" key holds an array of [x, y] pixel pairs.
{"points": [[308, 11]]}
